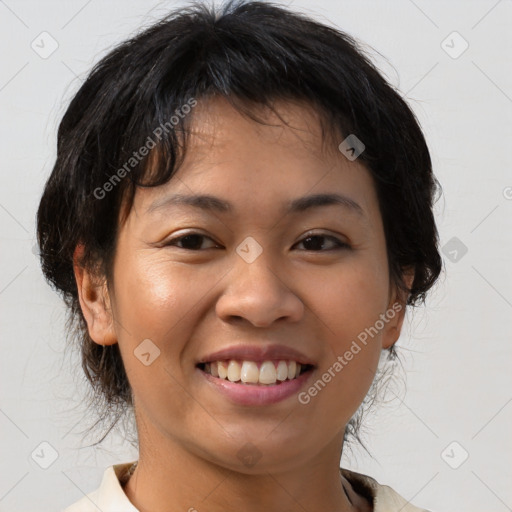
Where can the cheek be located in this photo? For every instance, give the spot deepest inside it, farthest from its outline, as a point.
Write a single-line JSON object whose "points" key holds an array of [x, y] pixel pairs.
{"points": [[162, 301], [153, 299], [351, 301], [352, 298], [152, 295]]}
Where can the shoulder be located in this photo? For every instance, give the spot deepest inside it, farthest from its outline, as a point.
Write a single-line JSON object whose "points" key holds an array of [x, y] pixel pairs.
{"points": [[85, 504], [382, 497], [109, 497]]}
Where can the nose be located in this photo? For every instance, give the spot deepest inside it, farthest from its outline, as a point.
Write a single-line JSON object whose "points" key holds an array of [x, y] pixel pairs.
{"points": [[259, 294]]}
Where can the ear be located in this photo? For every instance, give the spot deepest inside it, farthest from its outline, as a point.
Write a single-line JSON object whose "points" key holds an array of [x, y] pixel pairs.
{"points": [[95, 302], [393, 324]]}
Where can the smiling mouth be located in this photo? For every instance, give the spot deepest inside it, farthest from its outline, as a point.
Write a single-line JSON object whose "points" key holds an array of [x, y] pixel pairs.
{"points": [[262, 373]]}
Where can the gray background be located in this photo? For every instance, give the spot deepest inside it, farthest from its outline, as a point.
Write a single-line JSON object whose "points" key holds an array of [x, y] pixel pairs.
{"points": [[456, 352]]}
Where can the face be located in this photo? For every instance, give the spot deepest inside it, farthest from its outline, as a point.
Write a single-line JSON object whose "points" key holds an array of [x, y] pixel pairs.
{"points": [[191, 281]]}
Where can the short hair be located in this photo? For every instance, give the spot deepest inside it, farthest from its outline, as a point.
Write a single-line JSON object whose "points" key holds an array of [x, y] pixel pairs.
{"points": [[251, 53]]}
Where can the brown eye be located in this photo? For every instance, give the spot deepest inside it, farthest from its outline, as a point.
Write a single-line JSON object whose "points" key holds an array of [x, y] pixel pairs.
{"points": [[314, 243], [189, 242]]}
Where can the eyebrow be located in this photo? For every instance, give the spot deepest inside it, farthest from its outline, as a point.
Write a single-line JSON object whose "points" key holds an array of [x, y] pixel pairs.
{"points": [[301, 204]]}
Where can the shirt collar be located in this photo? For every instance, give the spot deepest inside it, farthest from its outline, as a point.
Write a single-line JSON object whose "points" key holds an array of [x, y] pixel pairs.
{"points": [[111, 496], [383, 497]]}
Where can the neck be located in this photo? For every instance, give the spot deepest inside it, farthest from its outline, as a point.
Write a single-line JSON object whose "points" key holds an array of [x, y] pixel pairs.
{"points": [[175, 479]]}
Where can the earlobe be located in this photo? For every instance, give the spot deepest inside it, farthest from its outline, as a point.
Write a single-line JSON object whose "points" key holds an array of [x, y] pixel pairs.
{"points": [[94, 302], [395, 313]]}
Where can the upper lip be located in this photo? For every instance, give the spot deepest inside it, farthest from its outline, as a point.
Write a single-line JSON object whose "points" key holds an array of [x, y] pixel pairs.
{"points": [[257, 353]]}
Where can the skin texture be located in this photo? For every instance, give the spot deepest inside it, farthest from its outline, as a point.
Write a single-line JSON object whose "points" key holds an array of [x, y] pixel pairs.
{"points": [[192, 302]]}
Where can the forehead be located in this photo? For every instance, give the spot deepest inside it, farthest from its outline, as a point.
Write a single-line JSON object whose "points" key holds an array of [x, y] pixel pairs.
{"points": [[219, 126], [259, 168]]}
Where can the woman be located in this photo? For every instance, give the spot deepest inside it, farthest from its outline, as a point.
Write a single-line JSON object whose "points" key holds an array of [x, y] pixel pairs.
{"points": [[305, 182]]}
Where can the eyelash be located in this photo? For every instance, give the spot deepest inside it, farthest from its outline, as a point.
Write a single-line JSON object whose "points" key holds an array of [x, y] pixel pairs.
{"points": [[339, 243]]}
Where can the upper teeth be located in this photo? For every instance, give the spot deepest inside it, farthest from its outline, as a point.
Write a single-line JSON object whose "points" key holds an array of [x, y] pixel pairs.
{"points": [[248, 371]]}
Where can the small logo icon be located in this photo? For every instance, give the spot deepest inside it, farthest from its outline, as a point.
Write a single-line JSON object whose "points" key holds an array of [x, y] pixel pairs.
{"points": [[454, 45], [44, 45], [454, 455], [454, 249], [249, 455], [507, 193], [352, 147], [147, 352], [249, 249], [44, 455]]}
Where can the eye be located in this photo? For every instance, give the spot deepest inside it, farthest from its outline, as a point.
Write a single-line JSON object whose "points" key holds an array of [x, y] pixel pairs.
{"points": [[193, 242], [312, 241]]}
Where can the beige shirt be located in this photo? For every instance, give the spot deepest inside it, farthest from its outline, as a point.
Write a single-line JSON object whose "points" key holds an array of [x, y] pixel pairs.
{"points": [[110, 496]]}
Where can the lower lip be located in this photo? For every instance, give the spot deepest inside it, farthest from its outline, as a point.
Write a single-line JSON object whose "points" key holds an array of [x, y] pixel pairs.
{"points": [[247, 394]]}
